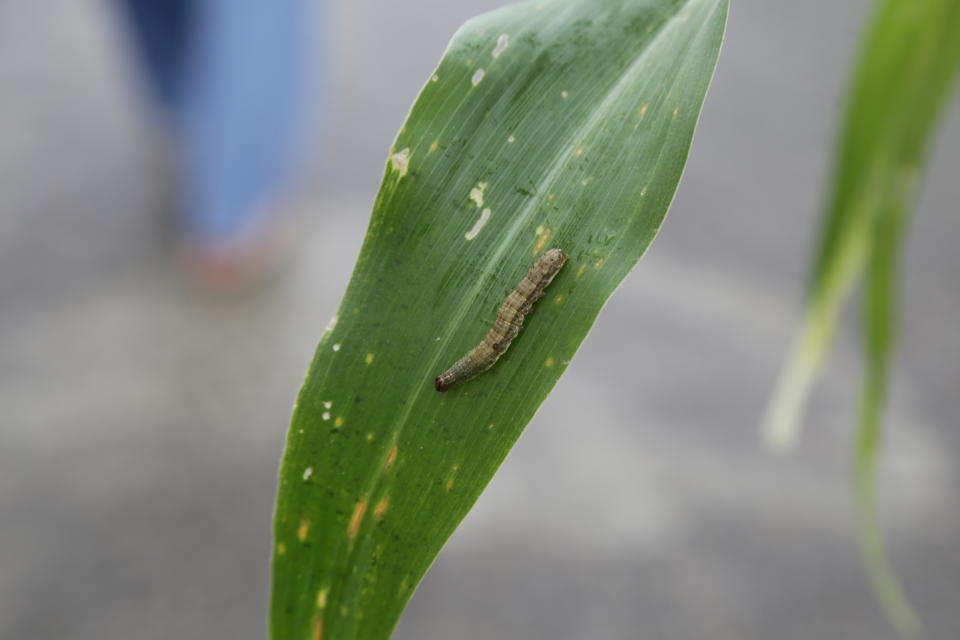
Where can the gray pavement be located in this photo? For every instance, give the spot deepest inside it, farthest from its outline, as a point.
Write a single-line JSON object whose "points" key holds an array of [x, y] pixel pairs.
{"points": [[140, 426]]}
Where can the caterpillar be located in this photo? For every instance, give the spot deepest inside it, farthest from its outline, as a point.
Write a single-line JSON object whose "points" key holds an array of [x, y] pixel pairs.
{"points": [[508, 323]]}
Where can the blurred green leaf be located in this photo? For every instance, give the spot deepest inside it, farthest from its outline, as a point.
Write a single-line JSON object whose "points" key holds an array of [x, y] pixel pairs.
{"points": [[562, 123], [905, 74]]}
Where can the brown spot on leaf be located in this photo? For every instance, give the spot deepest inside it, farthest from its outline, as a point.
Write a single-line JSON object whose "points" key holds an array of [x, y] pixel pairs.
{"points": [[542, 241], [303, 530], [381, 508], [391, 458], [357, 518]]}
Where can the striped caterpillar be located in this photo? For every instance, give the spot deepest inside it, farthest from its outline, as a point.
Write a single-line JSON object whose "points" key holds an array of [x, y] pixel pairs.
{"points": [[507, 325]]}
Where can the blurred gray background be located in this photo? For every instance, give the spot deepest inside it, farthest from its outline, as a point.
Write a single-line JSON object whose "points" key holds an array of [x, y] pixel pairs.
{"points": [[141, 427]]}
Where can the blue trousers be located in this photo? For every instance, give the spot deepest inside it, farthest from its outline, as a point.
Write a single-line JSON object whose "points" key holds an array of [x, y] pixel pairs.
{"points": [[230, 78]]}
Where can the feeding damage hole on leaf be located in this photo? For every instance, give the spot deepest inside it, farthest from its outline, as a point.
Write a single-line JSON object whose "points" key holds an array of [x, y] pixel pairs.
{"points": [[476, 194], [478, 225], [400, 162], [502, 42]]}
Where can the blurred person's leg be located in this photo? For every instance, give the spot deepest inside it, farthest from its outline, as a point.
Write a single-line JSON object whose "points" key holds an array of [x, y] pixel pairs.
{"points": [[243, 92], [232, 76], [160, 30]]}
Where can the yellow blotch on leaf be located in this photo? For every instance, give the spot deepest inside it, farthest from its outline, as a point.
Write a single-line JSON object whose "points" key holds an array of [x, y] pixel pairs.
{"points": [[391, 458], [303, 530], [545, 235], [338, 422], [582, 270], [357, 518], [381, 508], [643, 109], [559, 299], [281, 549], [321, 598], [369, 358], [548, 362], [453, 473]]}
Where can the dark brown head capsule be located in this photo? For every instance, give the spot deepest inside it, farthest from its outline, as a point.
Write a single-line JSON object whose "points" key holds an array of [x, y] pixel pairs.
{"points": [[443, 382]]}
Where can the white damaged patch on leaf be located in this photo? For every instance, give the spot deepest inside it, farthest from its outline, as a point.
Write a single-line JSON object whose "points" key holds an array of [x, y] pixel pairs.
{"points": [[400, 162], [479, 224], [502, 43], [476, 194]]}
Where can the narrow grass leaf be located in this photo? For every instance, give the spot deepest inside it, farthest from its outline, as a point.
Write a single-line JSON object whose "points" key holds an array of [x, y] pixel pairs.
{"points": [[906, 71]]}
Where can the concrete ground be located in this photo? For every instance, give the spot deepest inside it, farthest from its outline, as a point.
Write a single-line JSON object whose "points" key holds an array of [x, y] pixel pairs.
{"points": [[140, 426]]}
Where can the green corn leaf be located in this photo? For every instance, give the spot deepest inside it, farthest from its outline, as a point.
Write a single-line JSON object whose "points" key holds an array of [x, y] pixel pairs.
{"points": [[557, 123], [906, 71]]}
